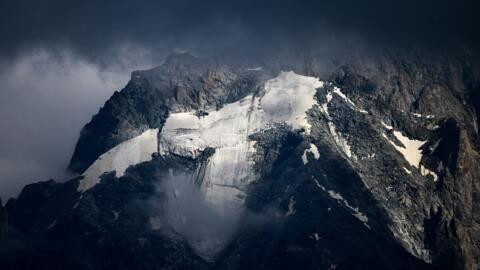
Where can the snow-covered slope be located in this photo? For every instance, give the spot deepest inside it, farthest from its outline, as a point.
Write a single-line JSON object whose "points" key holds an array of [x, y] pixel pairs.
{"points": [[284, 100], [119, 158]]}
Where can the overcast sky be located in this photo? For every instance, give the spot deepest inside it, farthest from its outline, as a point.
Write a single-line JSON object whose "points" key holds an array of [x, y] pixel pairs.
{"points": [[60, 60]]}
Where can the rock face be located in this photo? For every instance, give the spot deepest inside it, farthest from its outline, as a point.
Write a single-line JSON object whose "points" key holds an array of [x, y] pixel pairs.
{"points": [[373, 165]]}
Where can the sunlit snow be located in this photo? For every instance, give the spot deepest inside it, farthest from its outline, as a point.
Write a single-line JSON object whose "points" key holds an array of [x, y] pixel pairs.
{"points": [[337, 136], [410, 150], [120, 157], [314, 150], [285, 99], [424, 172]]}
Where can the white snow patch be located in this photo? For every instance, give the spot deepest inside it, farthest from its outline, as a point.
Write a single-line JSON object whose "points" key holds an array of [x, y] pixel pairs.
{"points": [[324, 106], [337, 136], [407, 170], [288, 97], [318, 184], [314, 150], [424, 172], [369, 156], [411, 150], [120, 157], [254, 69], [340, 140], [339, 198], [429, 116], [363, 111], [356, 212], [386, 126], [337, 91]]}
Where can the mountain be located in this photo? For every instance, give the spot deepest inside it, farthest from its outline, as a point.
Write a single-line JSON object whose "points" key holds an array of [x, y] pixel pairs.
{"points": [[208, 163]]}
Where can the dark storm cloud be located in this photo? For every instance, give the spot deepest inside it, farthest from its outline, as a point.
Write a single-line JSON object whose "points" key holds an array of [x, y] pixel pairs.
{"points": [[93, 27]]}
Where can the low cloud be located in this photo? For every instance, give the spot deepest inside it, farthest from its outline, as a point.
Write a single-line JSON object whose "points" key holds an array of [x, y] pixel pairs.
{"points": [[207, 227], [46, 97]]}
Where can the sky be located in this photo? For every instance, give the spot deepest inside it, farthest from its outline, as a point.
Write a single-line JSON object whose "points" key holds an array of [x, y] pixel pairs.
{"points": [[61, 60]]}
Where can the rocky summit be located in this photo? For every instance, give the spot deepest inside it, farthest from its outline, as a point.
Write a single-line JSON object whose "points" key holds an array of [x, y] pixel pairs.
{"points": [[209, 163]]}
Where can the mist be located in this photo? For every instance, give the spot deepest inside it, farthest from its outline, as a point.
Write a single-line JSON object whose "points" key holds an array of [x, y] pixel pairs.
{"points": [[45, 99], [207, 227]]}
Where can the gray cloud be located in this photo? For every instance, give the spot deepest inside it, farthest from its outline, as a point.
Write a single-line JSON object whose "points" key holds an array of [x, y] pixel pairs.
{"points": [[45, 99], [207, 227]]}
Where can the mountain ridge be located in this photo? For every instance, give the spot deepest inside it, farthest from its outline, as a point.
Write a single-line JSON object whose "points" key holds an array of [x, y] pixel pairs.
{"points": [[384, 211]]}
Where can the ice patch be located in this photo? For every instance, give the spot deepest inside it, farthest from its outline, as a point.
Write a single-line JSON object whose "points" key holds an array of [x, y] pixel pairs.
{"points": [[314, 150], [120, 157]]}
